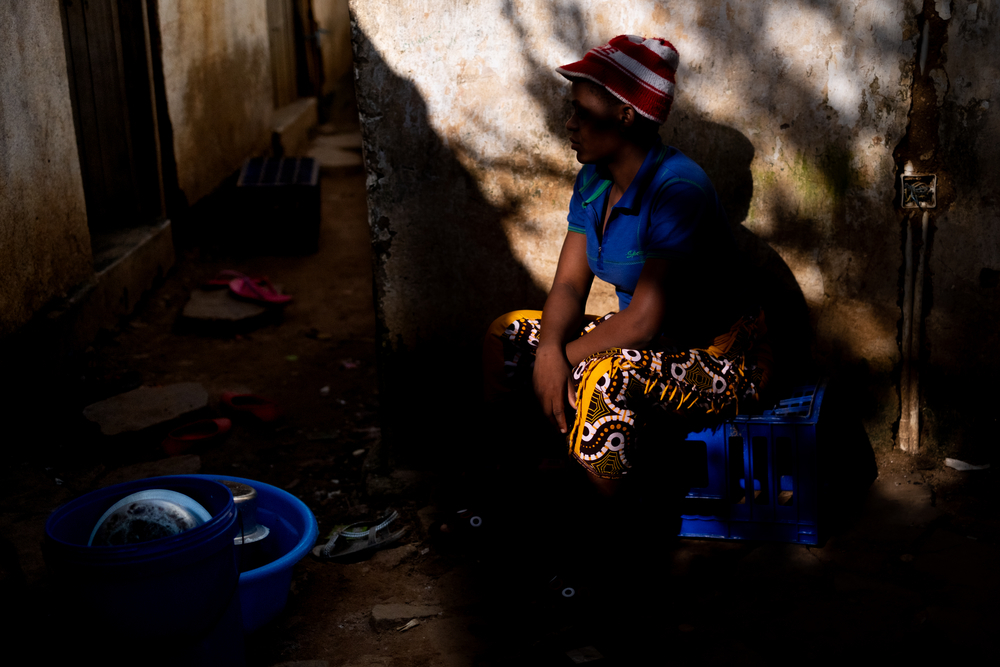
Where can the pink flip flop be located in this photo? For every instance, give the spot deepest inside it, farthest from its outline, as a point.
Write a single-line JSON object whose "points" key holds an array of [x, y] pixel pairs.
{"points": [[264, 291], [226, 276]]}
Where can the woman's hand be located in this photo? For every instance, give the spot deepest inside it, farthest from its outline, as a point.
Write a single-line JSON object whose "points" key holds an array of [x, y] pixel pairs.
{"points": [[562, 318], [553, 383]]}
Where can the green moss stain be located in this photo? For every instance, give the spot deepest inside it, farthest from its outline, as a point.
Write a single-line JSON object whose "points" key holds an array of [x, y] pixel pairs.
{"points": [[822, 182], [811, 187]]}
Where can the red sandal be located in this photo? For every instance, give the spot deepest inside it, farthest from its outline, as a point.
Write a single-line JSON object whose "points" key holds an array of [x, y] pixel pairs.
{"points": [[263, 409], [200, 432]]}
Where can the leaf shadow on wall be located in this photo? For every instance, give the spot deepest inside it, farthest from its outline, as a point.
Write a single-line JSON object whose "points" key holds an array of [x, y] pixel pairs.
{"points": [[443, 266], [726, 154]]}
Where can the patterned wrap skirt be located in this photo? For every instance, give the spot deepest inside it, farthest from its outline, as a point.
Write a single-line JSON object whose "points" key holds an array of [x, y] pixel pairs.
{"points": [[618, 390]]}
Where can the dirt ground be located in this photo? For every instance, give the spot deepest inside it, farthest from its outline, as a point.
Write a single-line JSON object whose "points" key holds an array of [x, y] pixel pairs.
{"points": [[912, 577]]}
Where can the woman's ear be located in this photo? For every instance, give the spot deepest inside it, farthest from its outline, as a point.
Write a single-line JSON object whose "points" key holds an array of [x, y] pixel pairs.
{"points": [[627, 116]]}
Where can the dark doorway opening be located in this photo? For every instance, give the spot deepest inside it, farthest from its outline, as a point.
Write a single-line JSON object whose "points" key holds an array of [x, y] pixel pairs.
{"points": [[114, 108]]}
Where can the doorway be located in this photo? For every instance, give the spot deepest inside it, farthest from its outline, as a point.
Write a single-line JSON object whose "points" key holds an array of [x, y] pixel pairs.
{"points": [[114, 110]]}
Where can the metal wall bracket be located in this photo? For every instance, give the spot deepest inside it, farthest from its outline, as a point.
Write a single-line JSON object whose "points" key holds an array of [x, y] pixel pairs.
{"points": [[919, 191]]}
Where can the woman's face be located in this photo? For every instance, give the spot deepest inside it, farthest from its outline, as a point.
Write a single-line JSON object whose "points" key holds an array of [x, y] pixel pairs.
{"points": [[594, 125]]}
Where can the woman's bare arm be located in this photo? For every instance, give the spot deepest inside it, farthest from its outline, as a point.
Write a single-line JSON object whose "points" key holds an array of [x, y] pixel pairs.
{"points": [[562, 318], [638, 324]]}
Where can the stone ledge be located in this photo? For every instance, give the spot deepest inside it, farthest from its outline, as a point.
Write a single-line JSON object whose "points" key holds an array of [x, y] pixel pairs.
{"points": [[127, 264], [146, 407], [291, 125]]}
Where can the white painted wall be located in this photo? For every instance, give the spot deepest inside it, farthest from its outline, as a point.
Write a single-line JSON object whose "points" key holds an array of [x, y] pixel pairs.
{"points": [[798, 104], [44, 240], [334, 23], [800, 113], [217, 76]]}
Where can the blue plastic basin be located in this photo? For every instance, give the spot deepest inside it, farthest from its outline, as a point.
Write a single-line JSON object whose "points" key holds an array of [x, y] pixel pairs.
{"points": [[264, 590], [178, 593]]}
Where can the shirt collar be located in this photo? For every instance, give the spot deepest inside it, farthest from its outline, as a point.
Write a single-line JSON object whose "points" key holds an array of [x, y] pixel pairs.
{"points": [[595, 183], [654, 158]]}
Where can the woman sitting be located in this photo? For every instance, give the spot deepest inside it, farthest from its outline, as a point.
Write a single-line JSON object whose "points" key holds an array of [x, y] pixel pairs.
{"points": [[646, 219]]}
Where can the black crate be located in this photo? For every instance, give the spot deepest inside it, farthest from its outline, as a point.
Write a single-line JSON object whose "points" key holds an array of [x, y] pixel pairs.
{"points": [[279, 204]]}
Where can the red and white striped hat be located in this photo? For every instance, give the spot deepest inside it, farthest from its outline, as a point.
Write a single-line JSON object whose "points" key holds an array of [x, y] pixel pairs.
{"points": [[638, 71]]}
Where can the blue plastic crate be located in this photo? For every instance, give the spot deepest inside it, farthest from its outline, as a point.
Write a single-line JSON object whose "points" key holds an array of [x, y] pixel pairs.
{"points": [[777, 451]]}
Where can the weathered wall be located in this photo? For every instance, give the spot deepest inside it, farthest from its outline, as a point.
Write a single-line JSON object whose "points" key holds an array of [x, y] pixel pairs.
{"points": [[794, 108], [217, 77], [44, 241], [334, 21], [962, 340]]}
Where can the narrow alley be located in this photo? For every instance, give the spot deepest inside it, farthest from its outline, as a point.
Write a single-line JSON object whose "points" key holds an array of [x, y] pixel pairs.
{"points": [[908, 579], [853, 147]]}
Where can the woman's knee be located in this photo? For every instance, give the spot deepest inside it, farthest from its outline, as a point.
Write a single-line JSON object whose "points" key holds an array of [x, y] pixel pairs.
{"points": [[503, 356], [500, 324]]}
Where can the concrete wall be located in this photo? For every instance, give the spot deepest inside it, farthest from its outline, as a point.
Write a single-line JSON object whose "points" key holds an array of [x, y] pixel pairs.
{"points": [[962, 340], [216, 71], [44, 241], [334, 22], [217, 76], [798, 110]]}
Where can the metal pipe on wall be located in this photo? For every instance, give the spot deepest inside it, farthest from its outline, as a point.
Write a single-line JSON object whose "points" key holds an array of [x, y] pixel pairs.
{"points": [[906, 339], [918, 303], [913, 304]]}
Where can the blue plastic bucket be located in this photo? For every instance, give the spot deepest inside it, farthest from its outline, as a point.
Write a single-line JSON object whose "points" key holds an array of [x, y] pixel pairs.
{"points": [[174, 599], [264, 590]]}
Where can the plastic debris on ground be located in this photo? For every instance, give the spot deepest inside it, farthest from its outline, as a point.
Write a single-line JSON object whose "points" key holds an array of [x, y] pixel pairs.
{"points": [[412, 623], [963, 466]]}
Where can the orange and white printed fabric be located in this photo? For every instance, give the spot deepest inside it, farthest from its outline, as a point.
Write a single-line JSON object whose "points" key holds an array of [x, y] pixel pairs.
{"points": [[617, 388]]}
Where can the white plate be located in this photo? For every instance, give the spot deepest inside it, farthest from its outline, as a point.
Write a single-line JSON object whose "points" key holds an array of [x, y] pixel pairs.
{"points": [[186, 502]]}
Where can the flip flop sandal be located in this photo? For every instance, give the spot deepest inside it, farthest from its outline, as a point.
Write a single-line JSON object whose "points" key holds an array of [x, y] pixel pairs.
{"points": [[349, 545], [263, 409], [197, 433], [263, 292], [226, 276]]}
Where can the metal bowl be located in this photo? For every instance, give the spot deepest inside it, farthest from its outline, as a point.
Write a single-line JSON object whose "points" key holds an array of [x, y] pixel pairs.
{"points": [[245, 497]]}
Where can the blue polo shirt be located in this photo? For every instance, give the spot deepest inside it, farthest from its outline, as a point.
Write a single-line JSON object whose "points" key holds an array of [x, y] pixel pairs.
{"points": [[670, 210]]}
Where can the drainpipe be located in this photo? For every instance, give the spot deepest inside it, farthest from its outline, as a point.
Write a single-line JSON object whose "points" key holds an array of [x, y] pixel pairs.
{"points": [[906, 340], [913, 305], [917, 154], [918, 302]]}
